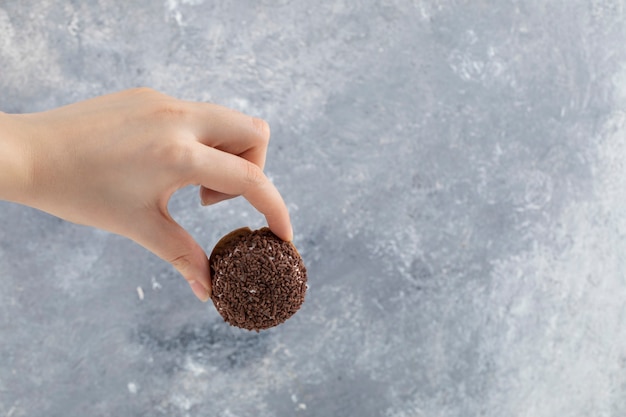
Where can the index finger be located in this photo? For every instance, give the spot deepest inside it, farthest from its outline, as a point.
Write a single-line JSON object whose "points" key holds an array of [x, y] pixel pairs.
{"points": [[231, 131]]}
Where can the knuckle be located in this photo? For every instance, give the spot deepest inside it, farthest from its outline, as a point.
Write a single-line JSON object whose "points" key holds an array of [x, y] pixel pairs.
{"points": [[175, 155], [143, 94], [253, 175], [181, 262], [156, 107], [170, 109], [143, 91], [262, 128]]}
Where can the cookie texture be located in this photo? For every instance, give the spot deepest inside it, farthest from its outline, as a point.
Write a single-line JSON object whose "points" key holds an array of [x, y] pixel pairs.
{"points": [[258, 280]]}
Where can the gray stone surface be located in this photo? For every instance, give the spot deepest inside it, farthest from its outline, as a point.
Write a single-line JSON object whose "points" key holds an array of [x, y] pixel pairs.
{"points": [[456, 174]]}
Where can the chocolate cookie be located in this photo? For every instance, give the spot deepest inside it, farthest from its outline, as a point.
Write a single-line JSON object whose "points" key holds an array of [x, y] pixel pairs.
{"points": [[258, 280]]}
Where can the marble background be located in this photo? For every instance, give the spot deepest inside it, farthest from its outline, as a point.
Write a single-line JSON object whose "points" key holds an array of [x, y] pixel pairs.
{"points": [[456, 175]]}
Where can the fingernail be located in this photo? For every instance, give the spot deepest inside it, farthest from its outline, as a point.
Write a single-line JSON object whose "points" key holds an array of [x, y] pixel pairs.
{"points": [[199, 291]]}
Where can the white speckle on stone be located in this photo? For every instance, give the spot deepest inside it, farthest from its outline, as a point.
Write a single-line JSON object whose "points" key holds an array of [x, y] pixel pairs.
{"points": [[240, 103], [182, 402], [155, 284], [73, 26], [132, 387], [619, 82], [140, 293], [194, 367]]}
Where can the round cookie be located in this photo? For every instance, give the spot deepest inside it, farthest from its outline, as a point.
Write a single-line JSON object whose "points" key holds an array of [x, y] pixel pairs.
{"points": [[258, 280]]}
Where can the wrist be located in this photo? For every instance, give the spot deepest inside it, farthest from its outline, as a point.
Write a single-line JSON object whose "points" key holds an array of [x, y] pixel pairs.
{"points": [[15, 158]]}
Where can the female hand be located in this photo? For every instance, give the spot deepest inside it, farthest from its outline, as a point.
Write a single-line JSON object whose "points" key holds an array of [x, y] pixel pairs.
{"points": [[114, 161]]}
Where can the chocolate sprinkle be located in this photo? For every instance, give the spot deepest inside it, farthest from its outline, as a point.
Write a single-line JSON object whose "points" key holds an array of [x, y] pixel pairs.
{"points": [[258, 280]]}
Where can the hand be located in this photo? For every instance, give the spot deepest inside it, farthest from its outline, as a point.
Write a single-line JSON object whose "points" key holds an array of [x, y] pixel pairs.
{"points": [[113, 162]]}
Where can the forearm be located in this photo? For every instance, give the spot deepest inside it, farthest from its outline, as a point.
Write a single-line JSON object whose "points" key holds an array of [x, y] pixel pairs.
{"points": [[15, 166]]}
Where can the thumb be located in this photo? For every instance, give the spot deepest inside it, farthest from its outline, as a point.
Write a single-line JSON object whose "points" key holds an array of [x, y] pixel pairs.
{"points": [[170, 242]]}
